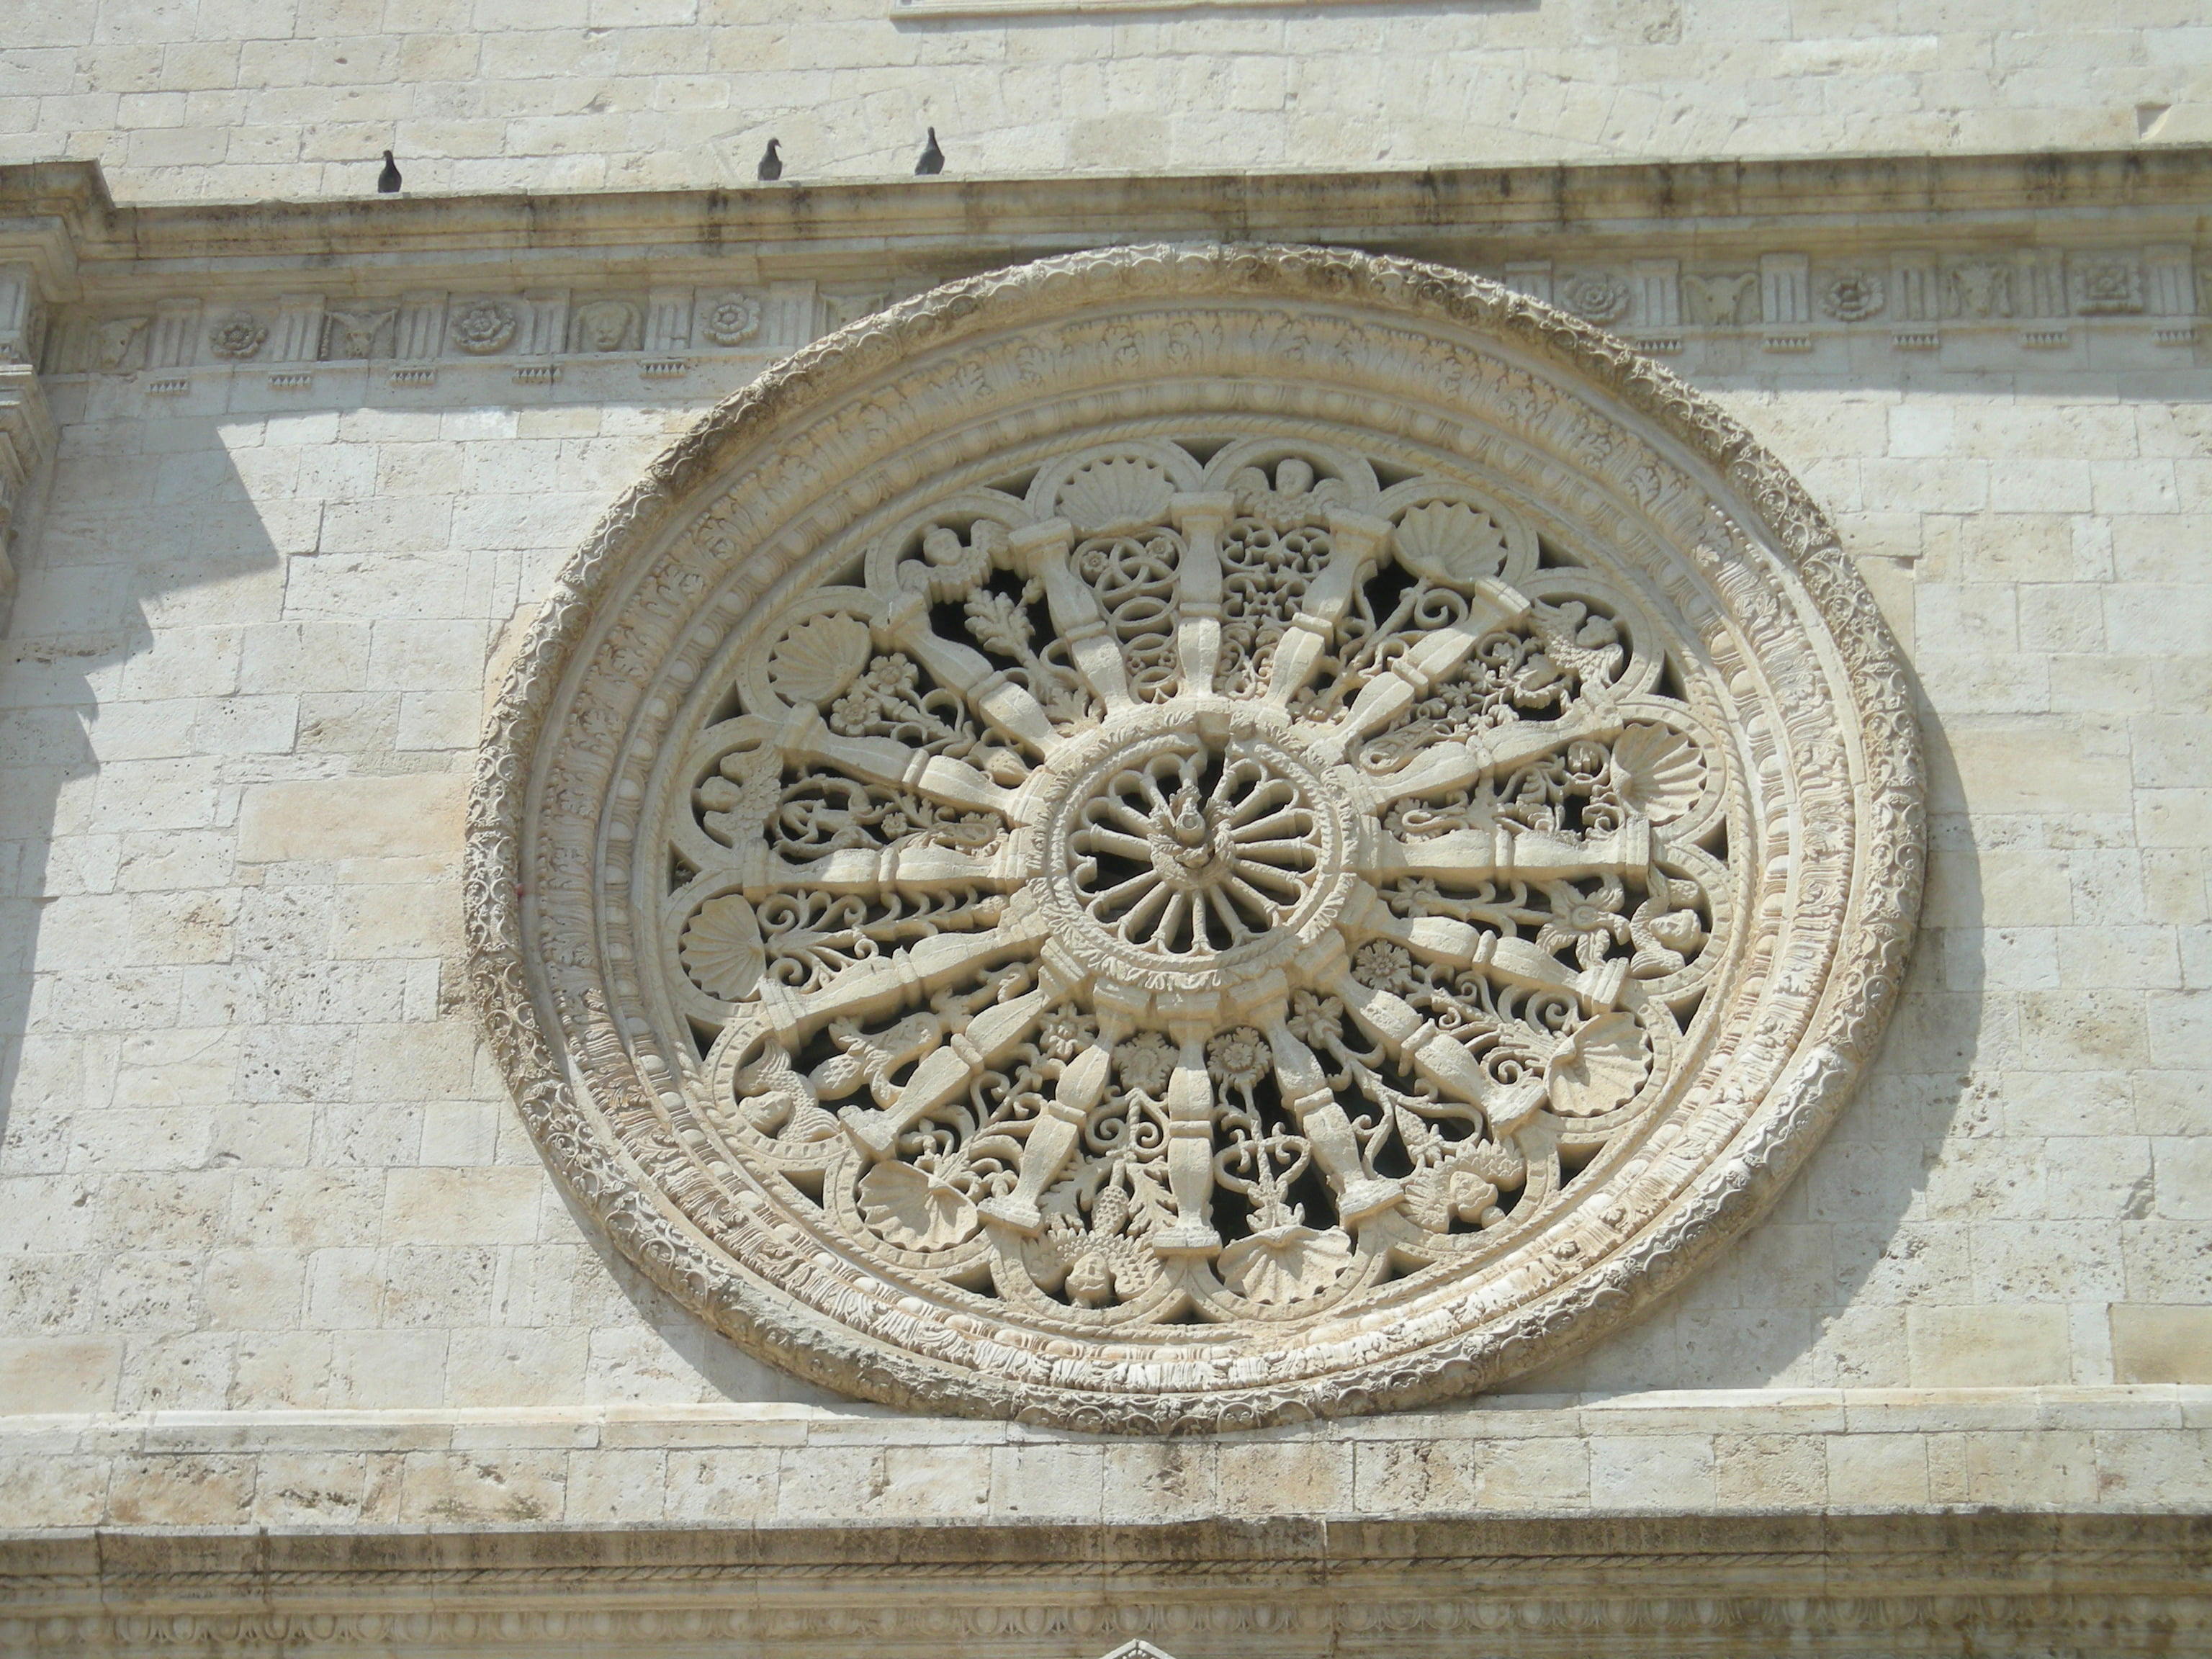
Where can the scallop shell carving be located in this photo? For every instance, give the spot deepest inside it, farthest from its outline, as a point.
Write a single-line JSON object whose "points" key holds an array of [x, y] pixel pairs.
{"points": [[1599, 1067], [908, 1209], [1287, 1265], [721, 949], [1452, 543], [1122, 493], [1662, 772], [819, 658]]}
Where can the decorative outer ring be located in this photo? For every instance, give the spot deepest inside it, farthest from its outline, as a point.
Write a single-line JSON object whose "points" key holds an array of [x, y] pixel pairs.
{"points": [[1736, 1185]]}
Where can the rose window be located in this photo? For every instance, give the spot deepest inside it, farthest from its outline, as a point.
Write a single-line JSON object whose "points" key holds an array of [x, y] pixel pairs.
{"points": [[1165, 879]]}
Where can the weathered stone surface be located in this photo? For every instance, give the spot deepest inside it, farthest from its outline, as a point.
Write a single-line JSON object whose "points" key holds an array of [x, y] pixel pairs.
{"points": [[244, 1087], [2118, 1585], [1216, 984]]}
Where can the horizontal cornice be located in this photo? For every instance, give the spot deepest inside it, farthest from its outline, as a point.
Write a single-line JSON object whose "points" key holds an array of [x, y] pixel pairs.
{"points": [[1431, 210], [1271, 1589]]}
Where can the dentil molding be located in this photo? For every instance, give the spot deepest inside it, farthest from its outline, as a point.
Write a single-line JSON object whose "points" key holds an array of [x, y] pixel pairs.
{"points": [[1194, 836]]}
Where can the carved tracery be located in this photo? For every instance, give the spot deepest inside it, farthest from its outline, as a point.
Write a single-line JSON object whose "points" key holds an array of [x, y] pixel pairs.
{"points": [[1208, 885], [1201, 905]]}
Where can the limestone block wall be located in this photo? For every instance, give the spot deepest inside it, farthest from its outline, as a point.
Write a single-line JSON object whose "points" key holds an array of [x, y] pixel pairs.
{"points": [[256, 1164], [253, 100]]}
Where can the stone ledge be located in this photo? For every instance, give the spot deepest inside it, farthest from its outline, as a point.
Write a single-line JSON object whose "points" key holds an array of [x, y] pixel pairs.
{"points": [[1796, 1453], [1788, 1411], [66, 207]]}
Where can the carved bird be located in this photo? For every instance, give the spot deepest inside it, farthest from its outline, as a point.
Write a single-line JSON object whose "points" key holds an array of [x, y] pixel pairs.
{"points": [[387, 182], [771, 165], [933, 159]]}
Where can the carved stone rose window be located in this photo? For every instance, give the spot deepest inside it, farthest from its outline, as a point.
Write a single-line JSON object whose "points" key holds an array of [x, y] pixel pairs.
{"points": [[1195, 836]]}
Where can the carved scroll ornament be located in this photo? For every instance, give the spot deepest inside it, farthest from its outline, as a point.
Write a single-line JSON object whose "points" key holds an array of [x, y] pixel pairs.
{"points": [[1194, 836]]}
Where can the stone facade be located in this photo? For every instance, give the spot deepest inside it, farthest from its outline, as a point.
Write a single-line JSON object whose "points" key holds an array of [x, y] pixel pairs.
{"points": [[242, 100], [286, 487]]}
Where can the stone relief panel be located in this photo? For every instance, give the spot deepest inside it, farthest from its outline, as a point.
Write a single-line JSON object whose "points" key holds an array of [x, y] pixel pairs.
{"points": [[1195, 837], [1792, 299]]}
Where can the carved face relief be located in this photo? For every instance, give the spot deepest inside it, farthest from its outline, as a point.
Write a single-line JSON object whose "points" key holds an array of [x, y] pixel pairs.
{"points": [[1195, 837]]}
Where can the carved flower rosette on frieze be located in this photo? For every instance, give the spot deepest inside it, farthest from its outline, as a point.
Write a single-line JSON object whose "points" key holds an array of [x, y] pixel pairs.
{"points": [[1195, 836]]}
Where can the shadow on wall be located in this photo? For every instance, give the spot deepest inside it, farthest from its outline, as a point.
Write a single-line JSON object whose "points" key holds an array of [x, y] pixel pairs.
{"points": [[1817, 1293], [119, 665], [728, 1371]]}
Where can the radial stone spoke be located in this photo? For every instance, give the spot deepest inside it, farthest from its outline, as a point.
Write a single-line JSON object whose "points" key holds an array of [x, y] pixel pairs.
{"points": [[869, 871], [1355, 543], [1435, 1056], [1285, 817], [1499, 854], [1051, 1141], [1041, 550], [937, 778], [1190, 1152], [1144, 885], [1233, 925], [1096, 839], [1003, 703], [884, 983], [1285, 846], [946, 1072], [1428, 661], [1448, 766], [1306, 1094], [1461, 945], [1200, 520]]}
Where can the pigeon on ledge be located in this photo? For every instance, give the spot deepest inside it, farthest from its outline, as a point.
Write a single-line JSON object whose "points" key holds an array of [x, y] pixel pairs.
{"points": [[933, 159], [771, 165], [387, 182]]}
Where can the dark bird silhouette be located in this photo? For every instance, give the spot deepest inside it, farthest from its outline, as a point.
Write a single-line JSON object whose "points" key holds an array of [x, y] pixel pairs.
{"points": [[933, 159], [387, 182], [771, 165]]}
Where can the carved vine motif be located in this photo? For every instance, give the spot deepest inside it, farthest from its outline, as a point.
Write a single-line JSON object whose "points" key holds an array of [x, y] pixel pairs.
{"points": [[1178, 916]]}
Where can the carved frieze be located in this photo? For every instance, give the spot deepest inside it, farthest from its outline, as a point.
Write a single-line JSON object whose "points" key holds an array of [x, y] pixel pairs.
{"points": [[1193, 837]]}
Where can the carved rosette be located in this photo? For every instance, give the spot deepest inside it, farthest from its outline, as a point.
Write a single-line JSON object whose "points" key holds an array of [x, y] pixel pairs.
{"points": [[1184, 836]]}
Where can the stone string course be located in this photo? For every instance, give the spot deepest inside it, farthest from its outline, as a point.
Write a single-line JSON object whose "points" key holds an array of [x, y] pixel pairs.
{"points": [[2031, 299], [1793, 1451], [1834, 1585]]}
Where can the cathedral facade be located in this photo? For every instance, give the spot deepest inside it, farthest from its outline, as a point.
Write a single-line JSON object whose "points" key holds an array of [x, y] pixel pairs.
{"points": [[1395, 843]]}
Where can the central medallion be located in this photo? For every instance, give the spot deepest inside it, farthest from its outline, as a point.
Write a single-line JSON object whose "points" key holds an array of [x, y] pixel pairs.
{"points": [[1190, 850], [1191, 855]]}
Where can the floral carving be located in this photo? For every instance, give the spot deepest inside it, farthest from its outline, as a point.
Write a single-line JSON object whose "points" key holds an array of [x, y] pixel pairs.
{"points": [[481, 327], [733, 320], [1593, 295], [1061, 894], [238, 336], [1852, 296]]}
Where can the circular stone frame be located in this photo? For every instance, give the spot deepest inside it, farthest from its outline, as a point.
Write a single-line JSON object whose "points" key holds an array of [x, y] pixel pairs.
{"points": [[852, 426]]}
